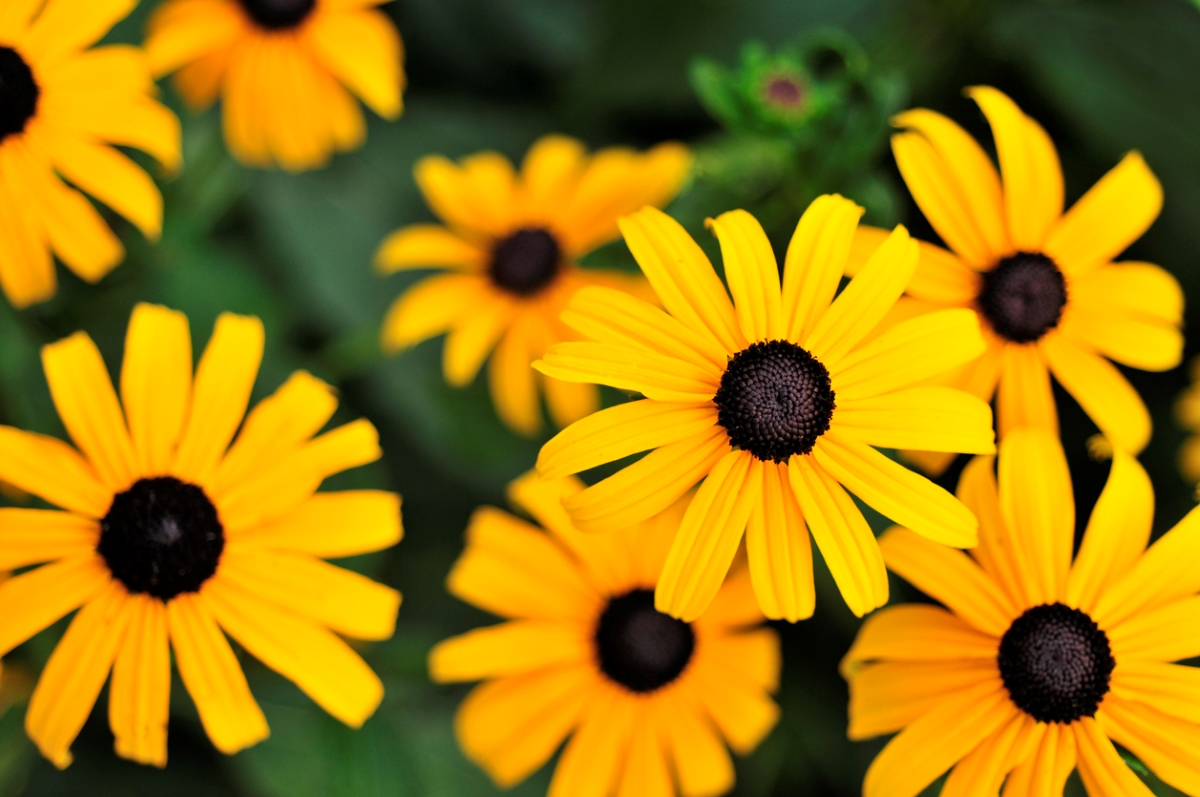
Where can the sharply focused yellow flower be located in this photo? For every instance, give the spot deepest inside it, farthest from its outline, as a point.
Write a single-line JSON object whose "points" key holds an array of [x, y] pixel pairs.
{"points": [[511, 243], [585, 651], [285, 70], [170, 534], [775, 400], [1042, 280], [61, 107], [1036, 662]]}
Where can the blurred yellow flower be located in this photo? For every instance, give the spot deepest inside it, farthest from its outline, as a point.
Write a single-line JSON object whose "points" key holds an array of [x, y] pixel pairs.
{"points": [[584, 651], [61, 107], [1042, 280], [169, 534], [285, 70], [1187, 412], [510, 243], [1036, 662], [776, 400]]}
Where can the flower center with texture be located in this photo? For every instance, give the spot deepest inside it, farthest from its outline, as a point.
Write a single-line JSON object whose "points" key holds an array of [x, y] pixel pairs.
{"points": [[1056, 663], [162, 536], [1023, 296], [278, 14], [775, 400], [784, 92], [639, 647], [526, 261], [19, 93]]}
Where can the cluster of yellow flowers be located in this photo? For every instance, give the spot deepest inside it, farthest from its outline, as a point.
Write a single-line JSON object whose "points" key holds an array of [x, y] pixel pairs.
{"points": [[633, 613]]}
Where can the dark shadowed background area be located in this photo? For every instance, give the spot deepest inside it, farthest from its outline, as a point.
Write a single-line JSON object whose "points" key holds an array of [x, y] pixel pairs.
{"points": [[1103, 76]]}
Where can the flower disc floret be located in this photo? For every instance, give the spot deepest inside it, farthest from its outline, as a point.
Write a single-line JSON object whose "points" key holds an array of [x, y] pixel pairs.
{"points": [[1024, 296], [162, 536], [278, 14], [19, 93], [638, 646], [775, 400], [1056, 663], [526, 262]]}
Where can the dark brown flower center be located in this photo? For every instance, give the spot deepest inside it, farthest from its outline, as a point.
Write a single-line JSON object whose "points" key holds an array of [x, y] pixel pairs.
{"points": [[162, 536], [526, 261], [775, 400], [784, 92], [19, 93], [639, 647], [1056, 663], [278, 14], [1023, 296]]}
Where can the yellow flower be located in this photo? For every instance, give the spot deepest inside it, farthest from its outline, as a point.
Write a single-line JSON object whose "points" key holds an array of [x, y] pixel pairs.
{"points": [[1042, 280], [584, 651], [1036, 663], [285, 69], [511, 243], [61, 107], [170, 534], [775, 400], [1187, 411]]}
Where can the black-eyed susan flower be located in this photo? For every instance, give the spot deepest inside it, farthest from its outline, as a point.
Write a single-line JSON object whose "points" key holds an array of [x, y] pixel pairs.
{"points": [[1051, 299], [775, 400], [510, 244], [169, 537], [285, 70], [1037, 664], [62, 107], [646, 698]]}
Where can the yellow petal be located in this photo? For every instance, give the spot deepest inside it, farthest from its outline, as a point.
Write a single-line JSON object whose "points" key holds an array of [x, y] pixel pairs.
{"points": [[1136, 342], [75, 674], [865, 301], [430, 308], [656, 376], [182, 32], [1165, 744], [742, 710], [1033, 183], [549, 174], [709, 537], [938, 740], [1103, 772], [842, 534], [361, 48], [590, 763], [702, 763], [224, 379], [1038, 506], [816, 257], [33, 536], [940, 277], [978, 491], [646, 772], [983, 771], [511, 726], [909, 353], [611, 316], [1172, 689], [64, 26], [619, 431], [1023, 397], [513, 569], [683, 278], [87, 404], [569, 401], [1103, 392], [469, 343], [156, 383], [1117, 532], [512, 382], [930, 418], [428, 246], [1139, 290], [333, 525], [212, 676], [111, 177], [511, 648], [1167, 633], [321, 664], [906, 497], [886, 697], [950, 577], [1046, 767], [346, 602], [916, 632], [752, 274], [650, 485], [51, 469], [453, 195], [779, 551], [26, 267], [1108, 218], [140, 693]]}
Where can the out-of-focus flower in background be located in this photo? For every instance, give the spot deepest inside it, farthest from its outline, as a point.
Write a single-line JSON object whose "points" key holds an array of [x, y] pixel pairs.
{"points": [[511, 243]]}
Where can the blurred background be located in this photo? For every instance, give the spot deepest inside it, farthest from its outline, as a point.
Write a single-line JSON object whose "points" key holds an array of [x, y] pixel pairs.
{"points": [[1103, 76]]}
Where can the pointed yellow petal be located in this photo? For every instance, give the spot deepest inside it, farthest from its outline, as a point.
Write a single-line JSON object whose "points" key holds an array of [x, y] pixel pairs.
{"points": [[816, 258], [752, 274]]}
